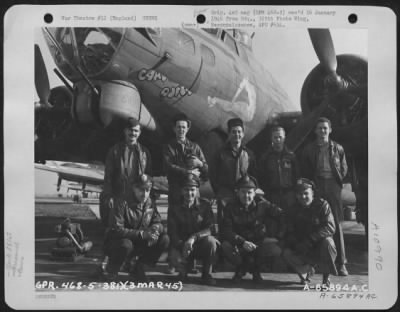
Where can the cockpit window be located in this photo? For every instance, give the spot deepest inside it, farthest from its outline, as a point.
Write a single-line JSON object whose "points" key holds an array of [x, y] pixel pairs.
{"points": [[242, 52], [243, 37], [90, 48], [95, 37], [65, 40], [229, 41], [185, 42], [212, 31], [96, 46]]}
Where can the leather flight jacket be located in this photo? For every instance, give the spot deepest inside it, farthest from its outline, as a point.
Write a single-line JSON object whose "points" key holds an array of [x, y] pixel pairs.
{"points": [[240, 225], [195, 221], [311, 223], [175, 160], [337, 161], [127, 220]]}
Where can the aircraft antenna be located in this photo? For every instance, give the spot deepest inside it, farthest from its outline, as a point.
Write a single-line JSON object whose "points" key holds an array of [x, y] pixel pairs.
{"points": [[75, 67]]}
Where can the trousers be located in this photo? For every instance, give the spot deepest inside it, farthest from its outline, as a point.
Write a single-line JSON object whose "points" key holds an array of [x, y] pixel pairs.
{"points": [[251, 261], [331, 191], [323, 254], [122, 249], [205, 249]]}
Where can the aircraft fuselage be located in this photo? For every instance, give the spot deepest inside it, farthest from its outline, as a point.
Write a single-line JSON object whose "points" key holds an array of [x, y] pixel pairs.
{"points": [[211, 78]]}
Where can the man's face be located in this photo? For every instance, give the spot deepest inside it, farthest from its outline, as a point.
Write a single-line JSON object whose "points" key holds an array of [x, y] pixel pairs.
{"points": [[278, 139], [132, 134], [246, 195], [141, 193], [305, 197], [181, 129], [189, 194], [323, 130], [236, 135]]}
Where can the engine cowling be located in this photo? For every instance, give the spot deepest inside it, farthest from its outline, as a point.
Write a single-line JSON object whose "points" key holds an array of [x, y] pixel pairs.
{"points": [[347, 106], [51, 121], [117, 99]]}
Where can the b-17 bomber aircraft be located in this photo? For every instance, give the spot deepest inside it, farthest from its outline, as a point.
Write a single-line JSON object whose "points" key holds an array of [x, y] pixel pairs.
{"points": [[211, 75]]}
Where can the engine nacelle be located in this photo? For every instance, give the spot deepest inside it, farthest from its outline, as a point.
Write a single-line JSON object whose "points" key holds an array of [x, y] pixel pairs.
{"points": [[117, 99], [51, 121], [348, 107]]}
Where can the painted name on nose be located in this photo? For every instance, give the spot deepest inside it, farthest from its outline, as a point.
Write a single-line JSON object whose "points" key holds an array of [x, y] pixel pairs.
{"points": [[151, 75], [169, 92]]}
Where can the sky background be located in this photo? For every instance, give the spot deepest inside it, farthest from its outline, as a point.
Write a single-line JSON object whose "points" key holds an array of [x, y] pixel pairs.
{"points": [[289, 55], [286, 53]]}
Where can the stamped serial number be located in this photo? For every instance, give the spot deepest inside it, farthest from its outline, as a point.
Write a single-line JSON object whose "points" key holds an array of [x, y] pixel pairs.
{"points": [[127, 285], [337, 287]]}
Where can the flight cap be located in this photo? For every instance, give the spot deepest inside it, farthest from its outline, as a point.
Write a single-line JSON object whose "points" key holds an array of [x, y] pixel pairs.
{"points": [[303, 184], [246, 182], [144, 181], [190, 180]]}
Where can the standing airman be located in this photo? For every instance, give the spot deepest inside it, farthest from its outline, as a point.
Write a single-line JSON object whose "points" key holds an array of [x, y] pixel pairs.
{"points": [[324, 161]]}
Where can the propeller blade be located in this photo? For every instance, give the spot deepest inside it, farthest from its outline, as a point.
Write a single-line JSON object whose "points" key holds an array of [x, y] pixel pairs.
{"points": [[323, 46], [299, 133], [41, 79]]}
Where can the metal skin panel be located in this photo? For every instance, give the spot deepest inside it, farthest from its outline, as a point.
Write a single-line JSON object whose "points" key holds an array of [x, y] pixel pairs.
{"points": [[171, 76]]}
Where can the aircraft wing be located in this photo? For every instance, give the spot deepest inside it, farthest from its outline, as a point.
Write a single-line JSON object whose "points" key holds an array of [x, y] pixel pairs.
{"points": [[88, 188], [76, 172], [90, 174]]}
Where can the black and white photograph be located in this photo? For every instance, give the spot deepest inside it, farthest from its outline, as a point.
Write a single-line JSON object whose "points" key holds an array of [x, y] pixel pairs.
{"points": [[206, 157]]}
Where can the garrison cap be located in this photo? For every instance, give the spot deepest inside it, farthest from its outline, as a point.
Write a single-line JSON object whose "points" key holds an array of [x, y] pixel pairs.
{"points": [[181, 117], [234, 122], [190, 180], [144, 181], [246, 182], [131, 123], [302, 184]]}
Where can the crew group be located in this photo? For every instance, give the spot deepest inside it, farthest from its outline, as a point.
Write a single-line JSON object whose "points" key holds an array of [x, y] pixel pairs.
{"points": [[297, 219]]}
